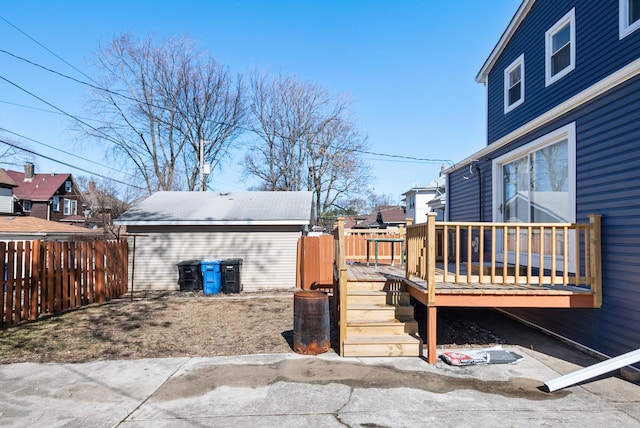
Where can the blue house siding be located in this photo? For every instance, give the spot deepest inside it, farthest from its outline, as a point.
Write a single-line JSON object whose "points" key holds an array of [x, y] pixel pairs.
{"points": [[599, 53], [464, 186], [607, 183]]}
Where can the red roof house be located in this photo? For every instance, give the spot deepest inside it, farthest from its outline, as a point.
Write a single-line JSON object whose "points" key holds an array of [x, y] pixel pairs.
{"points": [[49, 196]]}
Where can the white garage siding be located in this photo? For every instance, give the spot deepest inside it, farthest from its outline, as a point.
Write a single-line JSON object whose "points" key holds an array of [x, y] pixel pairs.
{"points": [[6, 201], [268, 252]]}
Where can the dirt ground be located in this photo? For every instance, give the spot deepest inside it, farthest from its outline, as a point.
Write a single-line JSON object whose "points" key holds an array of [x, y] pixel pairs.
{"points": [[186, 324]]}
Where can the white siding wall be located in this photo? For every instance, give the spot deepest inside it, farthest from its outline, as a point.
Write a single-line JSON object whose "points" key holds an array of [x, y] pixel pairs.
{"points": [[6, 201], [269, 256], [418, 212]]}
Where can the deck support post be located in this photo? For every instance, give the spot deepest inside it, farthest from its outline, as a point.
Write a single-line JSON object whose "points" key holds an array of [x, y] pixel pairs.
{"points": [[341, 268], [432, 312], [431, 257]]}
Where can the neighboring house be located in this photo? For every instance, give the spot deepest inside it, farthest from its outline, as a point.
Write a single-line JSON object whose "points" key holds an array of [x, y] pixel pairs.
{"points": [[563, 88], [21, 228], [261, 228], [6, 193], [385, 216], [50, 196], [417, 201], [100, 207], [352, 221], [390, 216]]}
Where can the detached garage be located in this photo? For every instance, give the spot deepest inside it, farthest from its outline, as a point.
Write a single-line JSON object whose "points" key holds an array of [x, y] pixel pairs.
{"points": [[261, 228]]}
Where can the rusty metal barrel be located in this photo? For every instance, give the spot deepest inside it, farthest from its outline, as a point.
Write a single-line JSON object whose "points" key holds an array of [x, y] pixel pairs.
{"points": [[311, 324]]}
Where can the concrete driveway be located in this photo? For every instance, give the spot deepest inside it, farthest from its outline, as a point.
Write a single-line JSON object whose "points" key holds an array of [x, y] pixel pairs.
{"points": [[289, 390]]}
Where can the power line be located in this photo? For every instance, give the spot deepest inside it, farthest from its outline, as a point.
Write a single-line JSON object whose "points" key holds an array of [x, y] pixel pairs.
{"points": [[64, 151], [386, 155], [402, 158], [66, 76], [398, 158], [70, 165], [44, 110], [106, 137], [45, 48], [127, 97]]}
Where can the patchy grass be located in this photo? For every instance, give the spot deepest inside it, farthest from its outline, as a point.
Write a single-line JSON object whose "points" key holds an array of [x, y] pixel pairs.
{"points": [[156, 325]]}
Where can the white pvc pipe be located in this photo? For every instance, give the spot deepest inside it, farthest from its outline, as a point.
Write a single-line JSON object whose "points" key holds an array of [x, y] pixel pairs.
{"points": [[593, 371]]}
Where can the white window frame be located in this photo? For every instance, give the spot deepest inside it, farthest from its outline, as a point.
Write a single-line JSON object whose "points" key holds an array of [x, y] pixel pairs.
{"points": [[55, 204], [519, 62], [70, 206], [67, 186], [625, 27], [567, 132], [569, 18]]}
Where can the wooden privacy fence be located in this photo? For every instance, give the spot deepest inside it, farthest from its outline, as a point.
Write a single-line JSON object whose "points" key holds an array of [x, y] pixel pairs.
{"points": [[355, 245], [315, 262], [48, 277], [316, 254]]}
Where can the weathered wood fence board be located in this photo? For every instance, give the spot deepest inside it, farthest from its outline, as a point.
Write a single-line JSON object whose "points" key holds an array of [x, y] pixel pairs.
{"points": [[315, 262], [355, 245], [42, 278]]}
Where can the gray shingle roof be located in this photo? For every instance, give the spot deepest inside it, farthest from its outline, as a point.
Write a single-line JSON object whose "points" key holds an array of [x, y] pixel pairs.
{"points": [[218, 208]]}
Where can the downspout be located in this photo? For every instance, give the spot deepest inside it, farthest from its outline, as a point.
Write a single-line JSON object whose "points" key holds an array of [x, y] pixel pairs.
{"points": [[479, 192]]}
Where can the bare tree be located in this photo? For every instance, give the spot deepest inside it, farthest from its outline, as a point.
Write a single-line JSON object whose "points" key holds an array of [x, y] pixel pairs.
{"points": [[305, 141], [103, 201], [13, 153], [336, 167], [159, 101], [376, 200]]}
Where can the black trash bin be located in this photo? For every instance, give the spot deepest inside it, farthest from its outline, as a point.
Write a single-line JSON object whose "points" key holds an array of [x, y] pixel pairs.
{"points": [[189, 275], [230, 273]]}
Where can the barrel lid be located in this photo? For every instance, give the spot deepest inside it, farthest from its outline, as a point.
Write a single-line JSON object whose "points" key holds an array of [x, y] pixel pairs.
{"points": [[311, 294]]}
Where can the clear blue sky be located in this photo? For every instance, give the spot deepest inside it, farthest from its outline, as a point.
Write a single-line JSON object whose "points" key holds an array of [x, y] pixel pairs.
{"points": [[409, 66]]}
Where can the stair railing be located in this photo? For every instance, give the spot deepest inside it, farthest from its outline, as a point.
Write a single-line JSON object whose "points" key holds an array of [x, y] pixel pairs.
{"points": [[340, 283]]}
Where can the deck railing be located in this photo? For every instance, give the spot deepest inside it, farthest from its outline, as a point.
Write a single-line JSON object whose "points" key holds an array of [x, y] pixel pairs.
{"points": [[340, 283], [355, 244], [561, 254]]}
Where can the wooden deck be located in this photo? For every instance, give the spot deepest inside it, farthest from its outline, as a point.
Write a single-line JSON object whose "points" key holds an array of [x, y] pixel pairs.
{"points": [[447, 294], [501, 265]]}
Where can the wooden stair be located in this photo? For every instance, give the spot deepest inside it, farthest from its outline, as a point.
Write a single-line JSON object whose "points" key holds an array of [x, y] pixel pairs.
{"points": [[379, 321]]}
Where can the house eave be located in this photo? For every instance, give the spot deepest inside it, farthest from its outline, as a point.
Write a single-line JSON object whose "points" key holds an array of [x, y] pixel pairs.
{"points": [[517, 19]]}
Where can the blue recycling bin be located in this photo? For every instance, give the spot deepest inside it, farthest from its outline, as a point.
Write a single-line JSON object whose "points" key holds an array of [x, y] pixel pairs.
{"points": [[211, 280]]}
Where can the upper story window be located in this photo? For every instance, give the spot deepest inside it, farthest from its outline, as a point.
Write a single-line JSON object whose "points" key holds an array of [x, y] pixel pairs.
{"points": [[560, 48], [67, 186], [514, 84], [629, 17], [26, 206], [55, 204], [70, 207]]}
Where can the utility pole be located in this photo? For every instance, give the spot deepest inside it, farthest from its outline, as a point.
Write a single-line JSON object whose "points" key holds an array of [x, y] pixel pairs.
{"points": [[202, 167]]}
